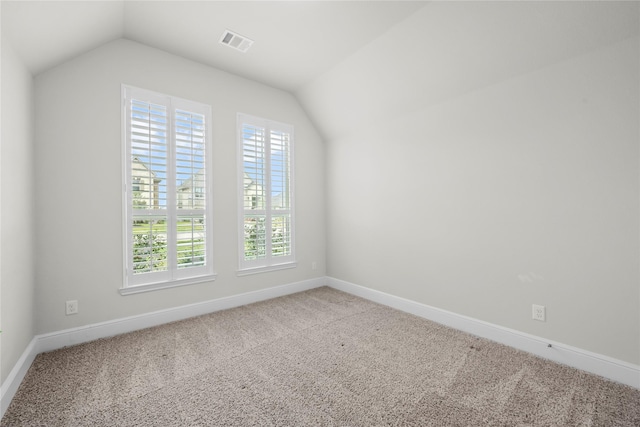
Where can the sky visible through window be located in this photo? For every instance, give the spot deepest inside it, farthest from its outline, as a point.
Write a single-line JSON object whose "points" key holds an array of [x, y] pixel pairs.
{"points": [[190, 158], [190, 147], [253, 164]]}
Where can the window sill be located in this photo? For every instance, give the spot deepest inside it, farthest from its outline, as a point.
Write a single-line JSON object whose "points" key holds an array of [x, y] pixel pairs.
{"points": [[257, 270], [136, 289]]}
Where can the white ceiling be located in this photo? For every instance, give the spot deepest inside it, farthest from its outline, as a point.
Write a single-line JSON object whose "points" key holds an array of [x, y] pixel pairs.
{"points": [[447, 49], [295, 42], [349, 63]]}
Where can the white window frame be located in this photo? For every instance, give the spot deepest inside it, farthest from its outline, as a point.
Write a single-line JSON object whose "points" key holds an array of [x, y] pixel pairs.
{"points": [[173, 276], [269, 263]]}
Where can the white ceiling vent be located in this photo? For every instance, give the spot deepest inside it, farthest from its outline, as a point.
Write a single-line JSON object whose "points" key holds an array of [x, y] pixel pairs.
{"points": [[236, 41]]}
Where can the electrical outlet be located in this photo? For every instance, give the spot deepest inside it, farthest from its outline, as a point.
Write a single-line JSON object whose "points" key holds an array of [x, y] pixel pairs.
{"points": [[72, 307], [538, 312]]}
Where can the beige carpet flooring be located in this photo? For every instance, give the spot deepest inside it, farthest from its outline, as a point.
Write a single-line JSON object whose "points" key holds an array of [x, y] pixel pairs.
{"points": [[320, 357]]}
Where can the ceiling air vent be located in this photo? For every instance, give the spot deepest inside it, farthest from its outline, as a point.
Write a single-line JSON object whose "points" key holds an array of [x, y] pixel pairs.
{"points": [[236, 41]]}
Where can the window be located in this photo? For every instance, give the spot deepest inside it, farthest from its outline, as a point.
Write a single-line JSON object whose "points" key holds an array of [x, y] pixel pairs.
{"points": [[265, 182], [167, 174]]}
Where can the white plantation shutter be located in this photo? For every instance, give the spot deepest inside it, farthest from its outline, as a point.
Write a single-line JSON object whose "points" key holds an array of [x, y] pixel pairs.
{"points": [[167, 166], [254, 186], [266, 238], [191, 186], [148, 129], [281, 196]]}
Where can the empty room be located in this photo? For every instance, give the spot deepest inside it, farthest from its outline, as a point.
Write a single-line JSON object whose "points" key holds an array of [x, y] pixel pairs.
{"points": [[332, 213]]}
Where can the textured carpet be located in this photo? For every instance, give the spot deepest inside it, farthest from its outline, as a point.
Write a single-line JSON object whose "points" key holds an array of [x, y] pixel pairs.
{"points": [[320, 357]]}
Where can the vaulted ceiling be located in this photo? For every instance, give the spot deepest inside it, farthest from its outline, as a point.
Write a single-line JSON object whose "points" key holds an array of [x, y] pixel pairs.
{"points": [[294, 41], [348, 62]]}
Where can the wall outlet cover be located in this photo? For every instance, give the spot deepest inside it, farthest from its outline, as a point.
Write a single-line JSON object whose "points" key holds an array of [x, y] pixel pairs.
{"points": [[538, 312]]}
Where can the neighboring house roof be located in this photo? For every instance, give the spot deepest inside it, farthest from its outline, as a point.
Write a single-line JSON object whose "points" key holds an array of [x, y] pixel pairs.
{"points": [[248, 182], [187, 184], [152, 173]]}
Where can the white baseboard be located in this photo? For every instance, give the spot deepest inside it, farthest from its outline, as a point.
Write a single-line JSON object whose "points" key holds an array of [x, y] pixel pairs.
{"points": [[55, 340], [616, 370], [607, 367], [15, 377], [67, 337]]}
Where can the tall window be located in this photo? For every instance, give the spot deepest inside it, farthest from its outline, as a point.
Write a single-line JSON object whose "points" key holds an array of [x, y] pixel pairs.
{"points": [[265, 183], [167, 173]]}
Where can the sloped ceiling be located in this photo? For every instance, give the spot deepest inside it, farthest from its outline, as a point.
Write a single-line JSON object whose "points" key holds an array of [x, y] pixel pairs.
{"points": [[348, 62], [447, 49], [294, 41], [47, 33]]}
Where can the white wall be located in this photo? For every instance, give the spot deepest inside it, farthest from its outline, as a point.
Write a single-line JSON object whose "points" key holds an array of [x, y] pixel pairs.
{"points": [[79, 184], [475, 165], [17, 236]]}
